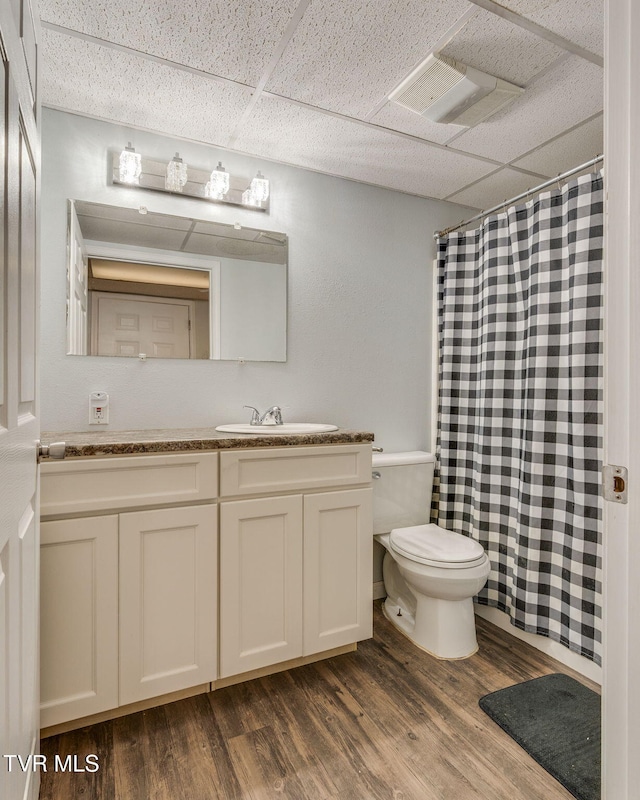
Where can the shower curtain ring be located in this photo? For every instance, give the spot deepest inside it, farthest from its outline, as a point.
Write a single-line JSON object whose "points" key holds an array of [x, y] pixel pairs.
{"points": [[558, 182]]}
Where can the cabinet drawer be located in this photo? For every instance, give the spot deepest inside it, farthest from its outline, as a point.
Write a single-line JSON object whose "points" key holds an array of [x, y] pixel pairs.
{"points": [[83, 486], [245, 472]]}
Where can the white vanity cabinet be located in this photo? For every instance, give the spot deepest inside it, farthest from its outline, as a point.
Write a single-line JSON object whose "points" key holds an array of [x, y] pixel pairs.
{"points": [[171, 574], [295, 566], [129, 597]]}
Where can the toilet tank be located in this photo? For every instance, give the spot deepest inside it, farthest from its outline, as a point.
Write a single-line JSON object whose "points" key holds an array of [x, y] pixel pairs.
{"points": [[402, 493]]}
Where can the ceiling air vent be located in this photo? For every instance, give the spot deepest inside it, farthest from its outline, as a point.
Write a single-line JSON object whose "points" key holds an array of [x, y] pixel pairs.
{"points": [[444, 90]]}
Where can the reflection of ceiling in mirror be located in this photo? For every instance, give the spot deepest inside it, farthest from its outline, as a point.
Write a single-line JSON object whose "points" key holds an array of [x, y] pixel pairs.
{"points": [[128, 226], [148, 273], [236, 247]]}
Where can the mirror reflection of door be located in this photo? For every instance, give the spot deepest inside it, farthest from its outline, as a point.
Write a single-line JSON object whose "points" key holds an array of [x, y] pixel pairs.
{"points": [[158, 311], [77, 289], [126, 325]]}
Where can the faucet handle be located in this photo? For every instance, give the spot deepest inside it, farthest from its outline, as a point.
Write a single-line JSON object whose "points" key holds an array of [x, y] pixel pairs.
{"points": [[255, 415]]}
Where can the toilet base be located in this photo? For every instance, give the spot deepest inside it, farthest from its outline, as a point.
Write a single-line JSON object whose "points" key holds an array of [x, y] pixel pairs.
{"points": [[446, 628]]}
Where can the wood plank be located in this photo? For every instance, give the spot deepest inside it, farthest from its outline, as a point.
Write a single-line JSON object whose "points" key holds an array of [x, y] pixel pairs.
{"points": [[201, 753], [56, 783], [263, 764]]}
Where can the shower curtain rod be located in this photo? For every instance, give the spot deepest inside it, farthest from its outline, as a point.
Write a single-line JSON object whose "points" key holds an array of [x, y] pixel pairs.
{"points": [[549, 182]]}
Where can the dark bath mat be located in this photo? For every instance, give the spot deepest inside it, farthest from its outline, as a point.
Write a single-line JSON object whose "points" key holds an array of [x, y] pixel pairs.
{"points": [[557, 721]]}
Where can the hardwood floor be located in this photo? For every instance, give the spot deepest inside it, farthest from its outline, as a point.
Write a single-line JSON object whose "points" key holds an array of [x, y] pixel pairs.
{"points": [[387, 721]]}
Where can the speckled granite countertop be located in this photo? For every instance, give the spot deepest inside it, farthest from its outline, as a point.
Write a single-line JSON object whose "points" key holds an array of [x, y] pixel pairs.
{"points": [[119, 443]]}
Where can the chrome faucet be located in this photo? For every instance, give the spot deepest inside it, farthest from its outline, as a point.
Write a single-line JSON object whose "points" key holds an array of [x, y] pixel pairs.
{"points": [[275, 412]]}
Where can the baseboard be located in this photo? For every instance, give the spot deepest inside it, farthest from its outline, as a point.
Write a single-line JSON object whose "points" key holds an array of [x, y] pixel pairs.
{"points": [[272, 669], [552, 648], [378, 590], [182, 694], [122, 711]]}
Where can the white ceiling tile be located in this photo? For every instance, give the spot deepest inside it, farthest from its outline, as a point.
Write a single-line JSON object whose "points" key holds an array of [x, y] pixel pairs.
{"points": [[486, 42], [234, 40], [567, 151], [397, 118], [490, 43], [347, 56], [579, 21], [283, 131], [558, 100], [494, 189], [99, 81]]}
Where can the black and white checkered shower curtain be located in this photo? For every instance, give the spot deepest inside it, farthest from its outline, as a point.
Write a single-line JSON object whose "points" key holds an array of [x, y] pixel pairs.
{"points": [[519, 449]]}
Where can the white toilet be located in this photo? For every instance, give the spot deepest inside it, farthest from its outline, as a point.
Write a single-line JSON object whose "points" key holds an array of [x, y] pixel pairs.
{"points": [[430, 574]]}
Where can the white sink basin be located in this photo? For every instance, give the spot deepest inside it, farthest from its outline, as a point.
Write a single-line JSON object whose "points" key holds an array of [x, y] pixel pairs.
{"points": [[286, 429]]}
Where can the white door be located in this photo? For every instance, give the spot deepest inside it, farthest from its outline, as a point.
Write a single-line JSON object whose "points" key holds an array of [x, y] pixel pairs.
{"points": [[77, 290], [126, 325], [19, 424]]}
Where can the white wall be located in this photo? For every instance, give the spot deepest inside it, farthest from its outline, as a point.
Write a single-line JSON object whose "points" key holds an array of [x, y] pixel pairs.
{"points": [[360, 298]]}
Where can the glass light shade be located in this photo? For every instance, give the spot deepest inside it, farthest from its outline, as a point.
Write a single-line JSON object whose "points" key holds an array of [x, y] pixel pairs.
{"points": [[260, 188], [249, 198], [218, 185], [176, 174], [130, 165]]}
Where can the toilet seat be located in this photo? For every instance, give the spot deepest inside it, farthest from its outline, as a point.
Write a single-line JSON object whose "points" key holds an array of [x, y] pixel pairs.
{"points": [[436, 547]]}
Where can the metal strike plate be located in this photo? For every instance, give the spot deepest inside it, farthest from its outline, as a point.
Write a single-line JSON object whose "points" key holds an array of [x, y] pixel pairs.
{"points": [[615, 483]]}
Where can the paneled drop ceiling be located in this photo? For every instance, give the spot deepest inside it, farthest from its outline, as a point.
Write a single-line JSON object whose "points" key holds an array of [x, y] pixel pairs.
{"points": [[306, 83]]}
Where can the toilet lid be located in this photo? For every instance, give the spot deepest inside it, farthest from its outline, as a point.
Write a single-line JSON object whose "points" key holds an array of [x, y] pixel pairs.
{"points": [[431, 544]]}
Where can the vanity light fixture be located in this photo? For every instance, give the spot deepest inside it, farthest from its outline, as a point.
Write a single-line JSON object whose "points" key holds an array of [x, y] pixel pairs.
{"points": [[176, 176], [129, 168], [250, 199], [260, 188], [218, 184], [257, 193], [130, 165]]}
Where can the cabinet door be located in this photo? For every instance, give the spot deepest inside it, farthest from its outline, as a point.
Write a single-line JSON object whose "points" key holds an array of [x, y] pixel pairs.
{"points": [[78, 618], [338, 564], [260, 583], [168, 591]]}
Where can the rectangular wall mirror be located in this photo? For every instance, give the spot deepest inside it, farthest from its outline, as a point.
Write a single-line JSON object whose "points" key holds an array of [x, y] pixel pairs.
{"points": [[160, 286]]}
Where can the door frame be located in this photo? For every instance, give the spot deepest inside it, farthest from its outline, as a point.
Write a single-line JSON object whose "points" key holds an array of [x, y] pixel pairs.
{"points": [[148, 255], [621, 547]]}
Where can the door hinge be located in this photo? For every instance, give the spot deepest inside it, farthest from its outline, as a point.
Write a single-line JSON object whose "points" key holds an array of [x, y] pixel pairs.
{"points": [[615, 481]]}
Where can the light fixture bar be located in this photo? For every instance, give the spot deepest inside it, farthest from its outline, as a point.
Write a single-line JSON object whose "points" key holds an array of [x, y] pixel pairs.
{"points": [[200, 184]]}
